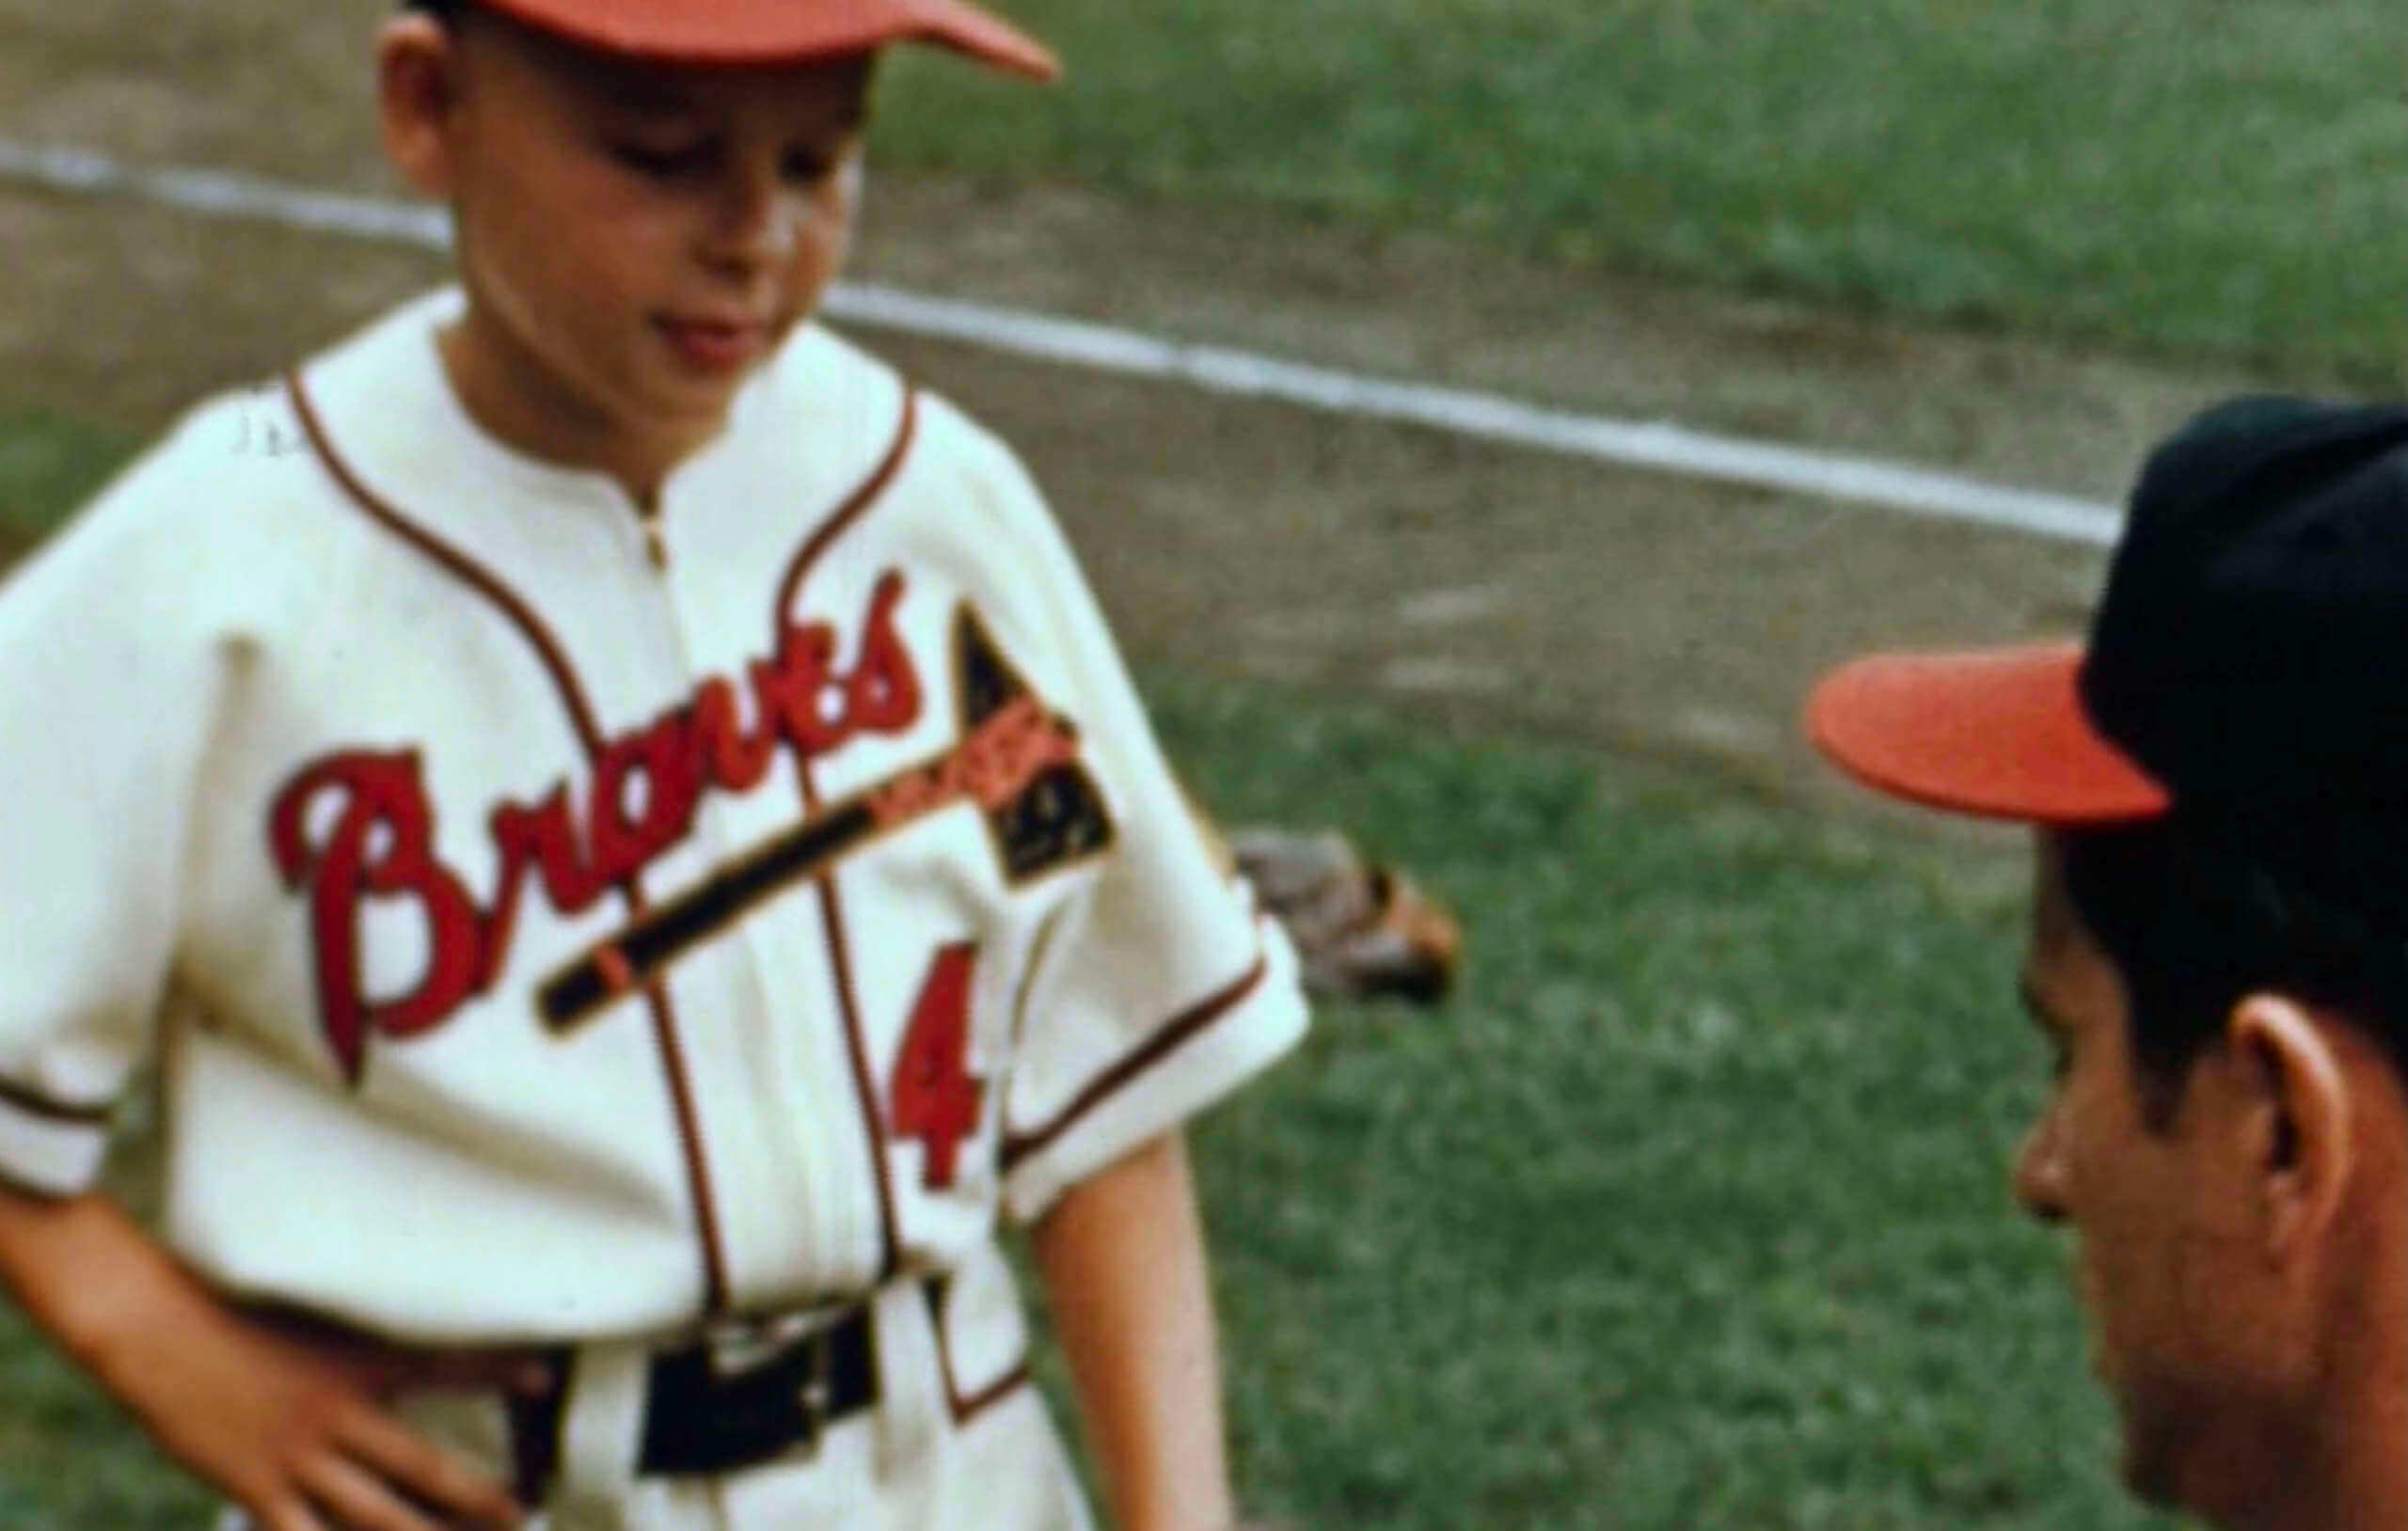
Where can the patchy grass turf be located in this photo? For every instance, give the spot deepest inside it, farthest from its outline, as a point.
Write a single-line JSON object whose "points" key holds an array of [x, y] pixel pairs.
{"points": [[48, 464], [1688, 1211], [2201, 178]]}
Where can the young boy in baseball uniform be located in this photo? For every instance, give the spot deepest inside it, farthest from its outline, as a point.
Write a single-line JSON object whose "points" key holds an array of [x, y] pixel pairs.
{"points": [[633, 851]]}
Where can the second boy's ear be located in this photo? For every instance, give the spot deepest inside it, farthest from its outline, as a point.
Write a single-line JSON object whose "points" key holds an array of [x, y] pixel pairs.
{"points": [[418, 85], [2295, 1120]]}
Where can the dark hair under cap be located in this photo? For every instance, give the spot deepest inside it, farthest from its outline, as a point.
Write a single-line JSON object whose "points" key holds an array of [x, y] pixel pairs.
{"points": [[2194, 924]]}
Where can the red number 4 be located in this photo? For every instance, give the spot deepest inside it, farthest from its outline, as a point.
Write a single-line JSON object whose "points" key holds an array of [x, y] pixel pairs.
{"points": [[935, 1100]]}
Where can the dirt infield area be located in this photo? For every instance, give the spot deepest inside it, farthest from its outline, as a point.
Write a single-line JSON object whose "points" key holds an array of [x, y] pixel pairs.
{"points": [[1482, 586]]}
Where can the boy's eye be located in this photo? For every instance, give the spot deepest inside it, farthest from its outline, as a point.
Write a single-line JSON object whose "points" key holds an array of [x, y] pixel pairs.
{"points": [[809, 167], [662, 162]]}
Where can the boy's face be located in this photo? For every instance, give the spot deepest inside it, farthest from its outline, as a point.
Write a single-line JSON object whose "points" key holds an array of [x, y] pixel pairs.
{"points": [[635, 238], [2162, 1264]]}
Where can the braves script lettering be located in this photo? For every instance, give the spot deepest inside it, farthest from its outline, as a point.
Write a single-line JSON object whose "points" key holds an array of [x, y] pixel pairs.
{"points": [[377, 839]]}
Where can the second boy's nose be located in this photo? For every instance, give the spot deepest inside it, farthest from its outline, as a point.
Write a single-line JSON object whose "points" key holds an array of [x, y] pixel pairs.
{"points": [[2039, 1170]]}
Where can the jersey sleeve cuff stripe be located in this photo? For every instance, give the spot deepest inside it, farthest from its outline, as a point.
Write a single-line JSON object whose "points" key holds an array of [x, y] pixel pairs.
{"points": [[1019, 1147], [31, 1102]]}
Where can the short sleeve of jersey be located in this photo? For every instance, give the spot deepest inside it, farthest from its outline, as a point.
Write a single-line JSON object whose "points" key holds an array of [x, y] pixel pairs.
{"points": [[104, 703], [1158, 989]]}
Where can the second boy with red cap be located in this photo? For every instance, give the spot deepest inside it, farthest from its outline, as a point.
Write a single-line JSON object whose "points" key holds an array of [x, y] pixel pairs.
{"points": [[633, 850], [2218, 782]]}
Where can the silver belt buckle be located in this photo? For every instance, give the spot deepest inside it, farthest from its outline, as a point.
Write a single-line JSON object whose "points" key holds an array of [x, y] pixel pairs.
{"points": [[794, 1343], [817, 1393], [737, 1346]]}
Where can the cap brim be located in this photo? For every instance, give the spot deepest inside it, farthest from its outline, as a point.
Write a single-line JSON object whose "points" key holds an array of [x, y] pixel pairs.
{"points": [[738, 32], [2001, 733]]}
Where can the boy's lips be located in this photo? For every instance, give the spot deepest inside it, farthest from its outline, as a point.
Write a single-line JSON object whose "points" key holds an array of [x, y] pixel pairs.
{"points": [[714, 345]]}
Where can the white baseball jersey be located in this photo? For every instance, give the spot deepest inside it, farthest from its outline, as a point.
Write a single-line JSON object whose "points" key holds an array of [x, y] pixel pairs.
{"points": [[555, 925]]}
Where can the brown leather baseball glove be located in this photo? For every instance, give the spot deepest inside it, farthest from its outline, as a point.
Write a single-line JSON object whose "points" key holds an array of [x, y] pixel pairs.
{"points": [[1361, 927]]}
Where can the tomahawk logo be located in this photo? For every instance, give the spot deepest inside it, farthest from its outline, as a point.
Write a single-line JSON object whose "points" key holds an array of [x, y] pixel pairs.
{"points": [[358, 825], [1017, 762]]}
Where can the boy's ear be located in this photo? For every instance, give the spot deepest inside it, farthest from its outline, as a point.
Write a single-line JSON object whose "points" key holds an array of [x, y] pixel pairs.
{"points": [[418, 87], [2294, 1121]]}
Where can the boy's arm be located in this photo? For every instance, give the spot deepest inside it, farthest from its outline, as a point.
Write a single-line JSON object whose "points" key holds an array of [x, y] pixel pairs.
{"points": [[1121, 1256], [288, 1429]]}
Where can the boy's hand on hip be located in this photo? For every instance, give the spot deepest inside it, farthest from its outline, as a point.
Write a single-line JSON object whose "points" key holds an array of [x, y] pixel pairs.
{"points": [[283, 1415], [290, 1422]]}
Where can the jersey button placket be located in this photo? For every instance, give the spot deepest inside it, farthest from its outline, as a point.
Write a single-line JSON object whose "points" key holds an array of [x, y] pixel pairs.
{"points": [[791, 1197]]}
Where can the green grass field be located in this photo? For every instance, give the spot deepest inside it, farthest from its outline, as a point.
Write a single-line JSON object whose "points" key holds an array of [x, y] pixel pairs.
{"points": [[49, 463], [2179, 175], [1689, 1211]]}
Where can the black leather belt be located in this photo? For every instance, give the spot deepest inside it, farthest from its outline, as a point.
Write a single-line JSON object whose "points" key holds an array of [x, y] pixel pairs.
{"points": [[702, 1417]]}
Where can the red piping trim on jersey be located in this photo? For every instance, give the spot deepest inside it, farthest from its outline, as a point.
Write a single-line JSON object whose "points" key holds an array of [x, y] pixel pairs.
{"points": [[830, 902], [966, 1408], [832, 909], [689, 1130], [34, 1103], [1187, 1023], [841, 519], [458, 565], [588, 734]]}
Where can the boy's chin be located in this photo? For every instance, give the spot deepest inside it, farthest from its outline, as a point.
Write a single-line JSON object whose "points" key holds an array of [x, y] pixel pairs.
{"points": [[681, 404], [2161, 1455]]}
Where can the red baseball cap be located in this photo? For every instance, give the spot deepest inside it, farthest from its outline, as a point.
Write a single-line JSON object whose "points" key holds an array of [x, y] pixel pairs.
{"points": [[736, 32], [2001, 733], [2244, 666]]}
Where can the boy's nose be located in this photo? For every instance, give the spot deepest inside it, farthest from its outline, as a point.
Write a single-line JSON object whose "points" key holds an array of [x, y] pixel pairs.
{"points": [[754, 220], [2039, 1170]]}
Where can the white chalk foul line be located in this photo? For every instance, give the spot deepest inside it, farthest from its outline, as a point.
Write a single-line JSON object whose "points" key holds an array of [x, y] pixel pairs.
{"points": [[1647, 444]]}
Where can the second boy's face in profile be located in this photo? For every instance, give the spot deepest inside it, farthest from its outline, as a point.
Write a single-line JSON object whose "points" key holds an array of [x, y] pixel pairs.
{"points": [[635, 238], [2182, 1331]]}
